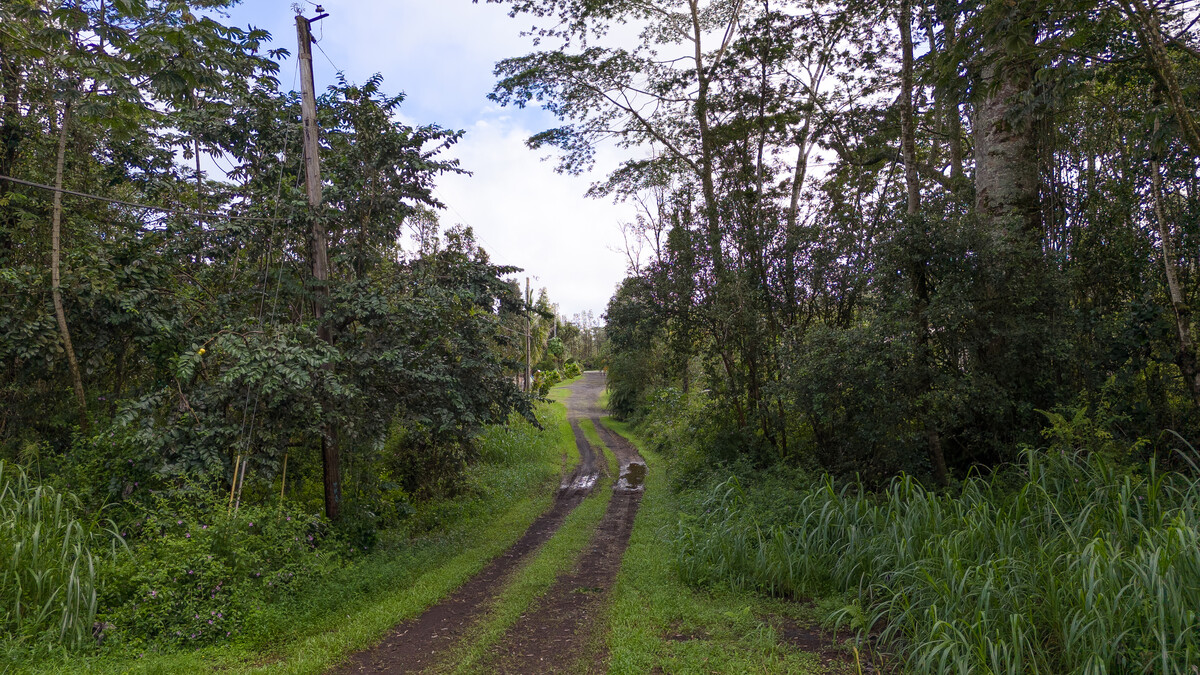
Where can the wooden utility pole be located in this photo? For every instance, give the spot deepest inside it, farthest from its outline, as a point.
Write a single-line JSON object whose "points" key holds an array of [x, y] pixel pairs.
{"points": [[319, 247], [528, 340]]}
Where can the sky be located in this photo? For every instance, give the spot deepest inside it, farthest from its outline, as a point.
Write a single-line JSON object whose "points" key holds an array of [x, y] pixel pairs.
{"points": [[440, 54]]}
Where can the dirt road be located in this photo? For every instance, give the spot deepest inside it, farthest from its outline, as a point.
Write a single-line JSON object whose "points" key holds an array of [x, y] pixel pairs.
{"points": [[559, 631]]}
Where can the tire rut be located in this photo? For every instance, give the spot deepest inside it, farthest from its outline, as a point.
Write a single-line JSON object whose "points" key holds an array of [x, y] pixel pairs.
{"points": [[561, 632], [420, 643]]}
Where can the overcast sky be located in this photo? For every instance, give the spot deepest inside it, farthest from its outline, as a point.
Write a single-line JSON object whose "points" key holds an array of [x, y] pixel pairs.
{"points": [[440, 53]]}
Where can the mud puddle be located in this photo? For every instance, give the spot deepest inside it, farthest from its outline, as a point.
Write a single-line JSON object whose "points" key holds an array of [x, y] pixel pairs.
{"points": [[419, 644], [561, 632]]}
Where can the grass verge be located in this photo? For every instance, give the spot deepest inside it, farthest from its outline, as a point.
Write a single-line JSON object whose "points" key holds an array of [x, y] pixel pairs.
{"points": [[354, 607], [658, 622]]}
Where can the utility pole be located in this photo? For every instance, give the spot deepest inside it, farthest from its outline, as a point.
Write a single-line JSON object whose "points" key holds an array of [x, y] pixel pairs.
{"points": [[528, 340], [319, 251]]}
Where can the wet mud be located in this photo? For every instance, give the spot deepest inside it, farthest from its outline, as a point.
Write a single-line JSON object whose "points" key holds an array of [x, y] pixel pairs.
{"points": [[418, 644], [562, 631]]}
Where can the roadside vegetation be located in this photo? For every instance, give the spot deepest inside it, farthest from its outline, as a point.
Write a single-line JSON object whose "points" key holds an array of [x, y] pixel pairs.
{"points": [[1070, 559], [311, 604], [660, 618], [909, 308], [214, 446]]}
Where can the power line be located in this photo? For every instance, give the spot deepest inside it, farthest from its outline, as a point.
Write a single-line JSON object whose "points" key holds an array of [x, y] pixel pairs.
{"points": [[335, 68], [110, 200]]}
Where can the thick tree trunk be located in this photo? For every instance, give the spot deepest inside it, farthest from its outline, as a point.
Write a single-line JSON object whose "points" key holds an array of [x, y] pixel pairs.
{"points": [[1186, 356], [56, 271], [920, 285], [1006, 159], [953, 114]]}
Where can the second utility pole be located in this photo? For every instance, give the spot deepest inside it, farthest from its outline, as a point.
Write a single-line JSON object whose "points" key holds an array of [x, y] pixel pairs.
{"points": [[319, 253], [528, 341]]}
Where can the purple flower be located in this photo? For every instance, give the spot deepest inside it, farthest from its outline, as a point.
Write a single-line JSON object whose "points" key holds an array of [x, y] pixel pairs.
{"points": [[154, 594], [187, 535], [204, 527]]}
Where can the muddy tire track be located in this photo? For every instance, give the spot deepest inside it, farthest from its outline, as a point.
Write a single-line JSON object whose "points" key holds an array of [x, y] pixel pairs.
{"points": [[418, 644], [563, 631]]}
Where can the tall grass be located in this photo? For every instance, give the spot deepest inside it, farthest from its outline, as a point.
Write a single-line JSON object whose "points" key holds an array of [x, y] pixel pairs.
{"points": [[1063, 564], [48, 580]]}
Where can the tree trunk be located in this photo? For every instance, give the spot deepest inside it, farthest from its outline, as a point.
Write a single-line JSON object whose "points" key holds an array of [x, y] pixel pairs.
{"points": [[953, 114], [920, 285], [1006, 159], [707, 186], [56, 272], [1186, 356], [1149, 29]]}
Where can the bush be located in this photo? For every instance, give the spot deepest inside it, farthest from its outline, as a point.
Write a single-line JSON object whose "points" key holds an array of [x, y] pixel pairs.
{"points": [[543, 380], [49, 580], [1061, 564], [199, 571], [572, 370]]}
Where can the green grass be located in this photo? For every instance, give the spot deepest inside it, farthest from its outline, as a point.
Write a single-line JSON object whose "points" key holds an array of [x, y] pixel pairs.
{"points": [[589, 432], [48, 579], [1060, 564], [356, 606], [656, 620], [556, 557]]}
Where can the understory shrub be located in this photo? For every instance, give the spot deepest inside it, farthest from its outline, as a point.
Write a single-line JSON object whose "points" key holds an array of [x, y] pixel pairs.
{"points": [[199, 568], [1063, 563], [543, 380]]}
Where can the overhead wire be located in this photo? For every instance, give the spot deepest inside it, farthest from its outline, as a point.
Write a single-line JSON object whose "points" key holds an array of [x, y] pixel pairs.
{"points": [[249, 436], [150, 207]]}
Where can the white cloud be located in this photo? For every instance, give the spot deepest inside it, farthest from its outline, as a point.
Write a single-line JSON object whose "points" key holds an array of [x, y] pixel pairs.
{"points": [[527, 215], [441, 54]]}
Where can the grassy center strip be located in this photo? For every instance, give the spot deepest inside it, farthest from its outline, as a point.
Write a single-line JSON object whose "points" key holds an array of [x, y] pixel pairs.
{"points": [[656, 623], [557, 556]]}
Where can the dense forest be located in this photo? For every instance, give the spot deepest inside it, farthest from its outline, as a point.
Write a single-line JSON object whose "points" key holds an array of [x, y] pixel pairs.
{"points": [[917, 278], [906, 339], [895, 245], [173, 359]]}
